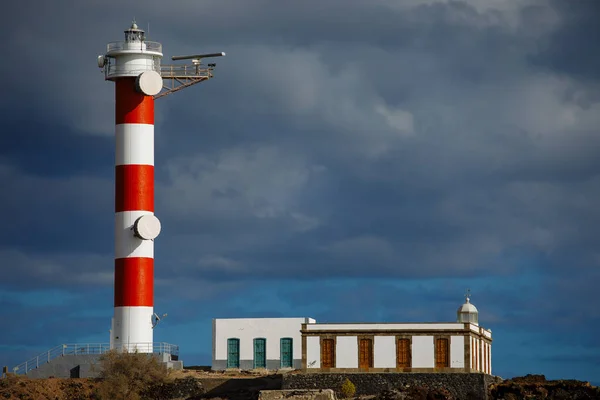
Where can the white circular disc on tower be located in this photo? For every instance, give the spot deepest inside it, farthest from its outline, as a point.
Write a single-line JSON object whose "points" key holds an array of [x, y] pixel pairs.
{"points": [[147, 227], [149, 83]]}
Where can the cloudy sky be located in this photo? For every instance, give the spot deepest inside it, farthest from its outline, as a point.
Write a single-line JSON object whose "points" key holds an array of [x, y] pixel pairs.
{"points": [[352, 160]]}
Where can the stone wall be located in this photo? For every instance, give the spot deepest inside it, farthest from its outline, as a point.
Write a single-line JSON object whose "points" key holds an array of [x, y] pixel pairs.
{"points": [[307, 394], [460, 385]]}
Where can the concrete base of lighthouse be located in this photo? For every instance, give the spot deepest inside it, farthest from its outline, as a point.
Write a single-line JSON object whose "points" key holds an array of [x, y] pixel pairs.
{"points": [[86, 365]]}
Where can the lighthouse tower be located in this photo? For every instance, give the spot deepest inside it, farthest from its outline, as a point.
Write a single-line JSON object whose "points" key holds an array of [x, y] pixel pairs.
{"points": [[134, 66]]}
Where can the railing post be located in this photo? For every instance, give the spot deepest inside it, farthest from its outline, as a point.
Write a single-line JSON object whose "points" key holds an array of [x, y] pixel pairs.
{"points": [[88, 348]]}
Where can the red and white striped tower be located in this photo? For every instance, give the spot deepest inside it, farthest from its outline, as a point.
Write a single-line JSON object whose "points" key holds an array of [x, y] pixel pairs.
{"points": [[134, 66]]}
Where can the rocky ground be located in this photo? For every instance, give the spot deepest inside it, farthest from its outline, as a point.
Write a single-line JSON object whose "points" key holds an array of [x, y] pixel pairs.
{"points": [[196, 384], [537, 387], [528, 387], [52, 389]]}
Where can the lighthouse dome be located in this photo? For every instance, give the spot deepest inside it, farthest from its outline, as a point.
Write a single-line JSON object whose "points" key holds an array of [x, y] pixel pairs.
{"points": [[467, 313]]}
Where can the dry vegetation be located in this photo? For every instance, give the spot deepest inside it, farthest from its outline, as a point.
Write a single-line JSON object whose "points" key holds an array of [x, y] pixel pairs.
{"points": [[129, 376]]}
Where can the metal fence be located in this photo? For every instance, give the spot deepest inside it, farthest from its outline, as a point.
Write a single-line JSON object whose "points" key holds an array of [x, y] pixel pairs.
{"points": [[184, 71], [93, 348], [149, 46]]}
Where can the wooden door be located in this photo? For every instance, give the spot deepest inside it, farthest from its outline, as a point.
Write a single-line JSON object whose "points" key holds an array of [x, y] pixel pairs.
{"points": [[327, 353], [403, 356], [442, 353], [365, 354]]}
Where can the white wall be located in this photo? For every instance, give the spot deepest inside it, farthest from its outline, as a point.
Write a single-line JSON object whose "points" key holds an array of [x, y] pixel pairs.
{"points": [[477, 354], [422, 352], [371, 327], [247, 329], [385, 352], [313, 352], [346, 352], [472, 348], [485, 364], [457, 351], [490, 361]]}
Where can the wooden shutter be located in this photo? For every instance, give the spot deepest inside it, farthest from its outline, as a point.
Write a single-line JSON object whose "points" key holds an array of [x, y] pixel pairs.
{"points": [[442, 353], [327, 353], [403, 356], [365, 355]]}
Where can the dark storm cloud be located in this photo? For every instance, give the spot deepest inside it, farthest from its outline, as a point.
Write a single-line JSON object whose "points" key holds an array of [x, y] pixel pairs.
{"points": [[571, 49], [445, 188], [51, 214], [46, 149]]}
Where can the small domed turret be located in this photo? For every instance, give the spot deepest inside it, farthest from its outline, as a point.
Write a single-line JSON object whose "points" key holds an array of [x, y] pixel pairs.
{"points": [[467, 313]]}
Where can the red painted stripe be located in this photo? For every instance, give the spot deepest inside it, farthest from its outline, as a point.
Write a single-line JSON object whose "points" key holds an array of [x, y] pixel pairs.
{"points": [[134, 282], [134, 188], [132, 107]]}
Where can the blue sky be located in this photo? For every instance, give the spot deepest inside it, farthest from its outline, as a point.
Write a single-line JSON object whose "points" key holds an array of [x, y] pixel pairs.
{"points": [[351, 161]]}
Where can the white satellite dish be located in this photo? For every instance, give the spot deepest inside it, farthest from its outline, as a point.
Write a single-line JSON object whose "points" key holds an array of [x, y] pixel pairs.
{"points": [[149, 83], [147, 227]]}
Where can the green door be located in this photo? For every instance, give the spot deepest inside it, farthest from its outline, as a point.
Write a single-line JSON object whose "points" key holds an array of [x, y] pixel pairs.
{"points": [[287, 354], [233, 353], [260, 353]]}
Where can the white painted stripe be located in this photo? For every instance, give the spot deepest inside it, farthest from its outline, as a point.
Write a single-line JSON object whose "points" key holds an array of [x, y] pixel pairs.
{"points": [[133, 325], [134, 144], [126, 243]]}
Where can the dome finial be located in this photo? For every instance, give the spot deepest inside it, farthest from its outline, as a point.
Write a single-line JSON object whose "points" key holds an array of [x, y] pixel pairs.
{"points": [[468, 295]]}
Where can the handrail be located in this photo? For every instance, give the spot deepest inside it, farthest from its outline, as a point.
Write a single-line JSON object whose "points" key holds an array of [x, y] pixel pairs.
{"points": [[92, 348], [184, 71], [121, 45], [166, 71]]}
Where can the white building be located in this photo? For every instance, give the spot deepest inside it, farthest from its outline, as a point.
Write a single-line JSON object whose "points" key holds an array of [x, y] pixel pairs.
{"points": [[250, 343], [461, 346]]}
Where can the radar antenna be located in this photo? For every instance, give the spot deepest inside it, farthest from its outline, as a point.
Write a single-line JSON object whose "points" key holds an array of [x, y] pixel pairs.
{"points": [[198, 56]]}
